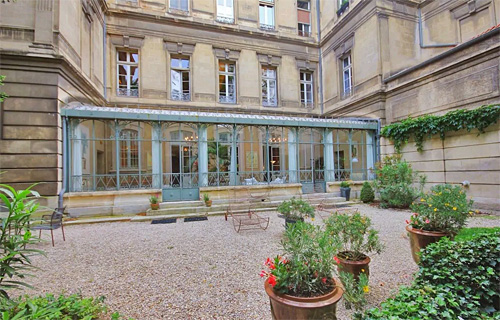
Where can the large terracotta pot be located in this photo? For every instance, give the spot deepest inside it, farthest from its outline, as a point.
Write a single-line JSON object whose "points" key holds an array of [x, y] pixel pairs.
{"points": [[354, 267], [155, 206], [288, 307], [420, 239]]}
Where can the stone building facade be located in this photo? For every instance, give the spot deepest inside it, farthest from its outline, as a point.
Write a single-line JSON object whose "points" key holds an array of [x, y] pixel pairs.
{"points": [[121, 84]]}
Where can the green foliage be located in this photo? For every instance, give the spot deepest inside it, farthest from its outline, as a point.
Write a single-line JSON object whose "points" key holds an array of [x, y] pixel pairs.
{"points": [[445, 208], [306, 268], [467, 234], [3, 95], [57, 308], [206, 197], [296, 209], [355, 235], [153, 199], [354, 292], [367, 195], [424, 127], [15, 237], [344, 184], [457, 279], [394, 180]]}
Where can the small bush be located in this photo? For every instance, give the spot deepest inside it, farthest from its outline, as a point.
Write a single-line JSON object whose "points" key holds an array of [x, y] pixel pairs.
{"points": [[457, 279], [367, 195], [467, 234], [394, 180], [296, 209]]}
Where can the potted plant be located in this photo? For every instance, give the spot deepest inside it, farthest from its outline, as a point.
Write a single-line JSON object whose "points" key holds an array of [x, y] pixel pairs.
{"points": [[345, 190], [207, 200], [300, 284], [442, 212], [153, 200], [357, 239], [295, 210]]}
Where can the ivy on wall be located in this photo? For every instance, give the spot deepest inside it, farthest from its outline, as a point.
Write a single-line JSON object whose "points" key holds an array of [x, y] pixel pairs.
{"points": [[426, 126]]}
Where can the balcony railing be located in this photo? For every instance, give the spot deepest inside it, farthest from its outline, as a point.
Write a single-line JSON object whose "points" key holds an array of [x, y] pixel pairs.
{"points": [[270, 102], [225, 19], [227, 99], [304, 33], [267, 27], [181, 96], [128, 92]]}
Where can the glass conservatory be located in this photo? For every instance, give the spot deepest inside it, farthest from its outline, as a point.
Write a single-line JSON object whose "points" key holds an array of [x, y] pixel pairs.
{"points": [[180, 152]]}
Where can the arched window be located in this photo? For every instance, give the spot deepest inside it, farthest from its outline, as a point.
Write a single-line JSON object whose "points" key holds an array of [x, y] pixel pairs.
{"points": [[129, 149]]}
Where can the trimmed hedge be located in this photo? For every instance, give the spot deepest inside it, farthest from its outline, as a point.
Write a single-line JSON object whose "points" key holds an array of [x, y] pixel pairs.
{"points": [[457, 279]]}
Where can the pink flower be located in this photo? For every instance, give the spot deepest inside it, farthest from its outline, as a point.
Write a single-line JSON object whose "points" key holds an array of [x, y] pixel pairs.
{"points": [[407, 222], [323, 280], [427, 221], [263, 273]]}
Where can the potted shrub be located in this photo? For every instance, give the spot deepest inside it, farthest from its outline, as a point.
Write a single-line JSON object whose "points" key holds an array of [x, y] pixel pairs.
{"points": [[357, 239], [153, 200], [295, 210], [207, 200], [300, 284], [367, 195], [442, 212], [345, 190]]}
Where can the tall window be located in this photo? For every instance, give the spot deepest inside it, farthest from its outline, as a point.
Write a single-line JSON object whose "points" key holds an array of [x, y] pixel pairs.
{"points": [[179, 79], [227, 83], [266, 14], [179, 5], [269, 87], [304, 17], [347, 75], [128, 73], [225, 11], [306, 89], [129, 151]]}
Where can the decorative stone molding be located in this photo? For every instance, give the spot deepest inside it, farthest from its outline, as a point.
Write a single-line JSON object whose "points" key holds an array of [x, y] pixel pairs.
{"points": [[468, 8], [267, 59], [179, 47], [345, 46], [227, 54], [306, 64], [127, 41]]}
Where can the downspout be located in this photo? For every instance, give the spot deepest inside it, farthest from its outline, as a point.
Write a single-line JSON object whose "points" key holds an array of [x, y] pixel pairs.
{"points": [[421, 35], [64, 164], [378, 140], [320, 82], [105, 73]]}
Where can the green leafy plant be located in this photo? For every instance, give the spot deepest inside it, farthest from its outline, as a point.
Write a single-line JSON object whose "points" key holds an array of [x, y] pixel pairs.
{"points": [[445, 208], [153, 199], [15, 237], [426, 126], [394, 180], [456, 280], [57, 308], [467, 234], [367, 195], [296, 209], [355, 235], [355, 292], [206, 198], [3, 95], [307, 266], [344, 184]]}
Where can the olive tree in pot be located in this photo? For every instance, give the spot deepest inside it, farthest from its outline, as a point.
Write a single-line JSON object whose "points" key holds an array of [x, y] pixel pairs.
{"points": [[357, 239], [295, 210], [442, 212], [345, 190], [300, 284]]}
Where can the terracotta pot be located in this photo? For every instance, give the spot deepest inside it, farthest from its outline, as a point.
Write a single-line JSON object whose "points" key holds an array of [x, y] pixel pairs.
{"points": [[354, 267], [284, 306], [290, 221], [420, 239], [155, 206], [208, 203]]}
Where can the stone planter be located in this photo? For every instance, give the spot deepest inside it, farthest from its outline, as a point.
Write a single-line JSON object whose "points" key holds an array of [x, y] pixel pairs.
{"points": [[420, 239], [155, 206], [354, 267], [288, 307], [346, 193]]}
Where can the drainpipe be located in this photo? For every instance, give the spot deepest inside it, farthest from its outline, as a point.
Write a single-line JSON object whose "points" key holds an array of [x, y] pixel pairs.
{"points": [[105, 73], [379, 128], [320, 82], [421, 35], [64, 164]]}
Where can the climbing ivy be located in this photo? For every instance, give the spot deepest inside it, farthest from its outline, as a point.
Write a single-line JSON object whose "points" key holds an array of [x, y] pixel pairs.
{"points": [[426, 126]]}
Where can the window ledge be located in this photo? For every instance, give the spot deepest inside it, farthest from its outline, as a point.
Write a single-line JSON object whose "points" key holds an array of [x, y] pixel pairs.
{"points": [[343, 8]]}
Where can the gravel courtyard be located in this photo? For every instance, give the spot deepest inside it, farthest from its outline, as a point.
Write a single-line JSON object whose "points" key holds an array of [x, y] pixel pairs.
{"points": [[198, 270]]}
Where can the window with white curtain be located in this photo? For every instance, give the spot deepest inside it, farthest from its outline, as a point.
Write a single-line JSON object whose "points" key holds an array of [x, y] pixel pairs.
{"points": [[227, 82], [306, 89], [266, 15], [269, 96], [179, 79], [225, 11], [347, 75]]}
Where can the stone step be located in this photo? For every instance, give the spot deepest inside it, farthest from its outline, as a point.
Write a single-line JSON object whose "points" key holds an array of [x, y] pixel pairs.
{"points": [[182, 204]]}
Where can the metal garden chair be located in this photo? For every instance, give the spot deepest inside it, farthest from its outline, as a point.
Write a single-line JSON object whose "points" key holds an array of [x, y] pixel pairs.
{"points": [[51, 222]]}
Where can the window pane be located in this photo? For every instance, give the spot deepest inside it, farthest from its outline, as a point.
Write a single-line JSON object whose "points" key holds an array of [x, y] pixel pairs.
{"points": [[134, 57], [175, 63], [303, 4], [185, 76], [222, 66], [122, 56], [185, 63], [230, 68], [123, 69]]}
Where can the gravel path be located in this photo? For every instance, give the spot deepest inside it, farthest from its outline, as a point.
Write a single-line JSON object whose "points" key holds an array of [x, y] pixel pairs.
{"points": [[198, 270]]}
